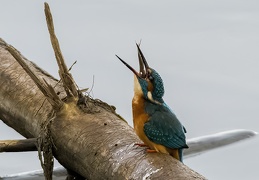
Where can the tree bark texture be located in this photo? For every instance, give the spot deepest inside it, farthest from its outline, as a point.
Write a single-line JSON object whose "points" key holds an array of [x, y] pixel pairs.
{"points": [[92, 141]]}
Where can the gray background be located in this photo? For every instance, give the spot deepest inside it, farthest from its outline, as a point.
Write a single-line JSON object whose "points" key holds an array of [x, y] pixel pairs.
{"points": [[205, 51]]}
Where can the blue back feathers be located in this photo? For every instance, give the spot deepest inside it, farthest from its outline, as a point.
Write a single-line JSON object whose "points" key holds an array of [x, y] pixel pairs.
{"points": [[163, 126]]}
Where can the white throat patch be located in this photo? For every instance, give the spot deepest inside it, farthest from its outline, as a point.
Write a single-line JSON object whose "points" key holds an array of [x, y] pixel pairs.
{"points": [[150, 97]]}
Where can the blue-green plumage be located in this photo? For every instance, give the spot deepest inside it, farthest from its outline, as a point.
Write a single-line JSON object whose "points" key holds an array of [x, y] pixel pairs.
{"points": [[158, 86], [161, 128], [164, 128]]}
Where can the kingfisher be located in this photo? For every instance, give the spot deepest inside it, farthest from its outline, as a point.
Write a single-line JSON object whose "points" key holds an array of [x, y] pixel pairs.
{"points": [[154, 122]]}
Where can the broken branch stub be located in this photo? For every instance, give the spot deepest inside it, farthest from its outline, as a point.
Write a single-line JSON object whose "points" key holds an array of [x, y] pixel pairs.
{"points": [[67, 79]]}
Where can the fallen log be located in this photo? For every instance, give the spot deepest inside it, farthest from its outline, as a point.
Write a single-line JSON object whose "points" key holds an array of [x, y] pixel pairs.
{"points": [[87, 135]]}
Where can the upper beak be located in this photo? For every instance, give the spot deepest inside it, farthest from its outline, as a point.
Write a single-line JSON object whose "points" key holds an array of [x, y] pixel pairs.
{"points": [[143, 65]]}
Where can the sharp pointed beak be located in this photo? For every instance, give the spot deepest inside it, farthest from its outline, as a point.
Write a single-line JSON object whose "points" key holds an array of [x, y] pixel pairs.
{"points": [[131, 68], [143, 65]]}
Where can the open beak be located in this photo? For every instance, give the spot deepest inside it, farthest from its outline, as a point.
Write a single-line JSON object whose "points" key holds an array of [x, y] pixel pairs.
{"points": [[143, 65]]}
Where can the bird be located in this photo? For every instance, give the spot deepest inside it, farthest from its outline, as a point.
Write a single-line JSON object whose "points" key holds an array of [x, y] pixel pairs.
{"points": [[154, 121]]}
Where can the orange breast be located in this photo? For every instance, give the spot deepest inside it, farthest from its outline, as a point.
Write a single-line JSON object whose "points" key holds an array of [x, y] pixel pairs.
{"points": [[139, 119], [139, 116]]}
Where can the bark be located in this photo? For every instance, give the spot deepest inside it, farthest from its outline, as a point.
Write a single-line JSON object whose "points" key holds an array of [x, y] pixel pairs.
{"points": [[89, 138]]}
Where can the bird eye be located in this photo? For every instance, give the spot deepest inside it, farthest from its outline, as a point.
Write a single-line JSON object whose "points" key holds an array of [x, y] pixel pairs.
{"points": [[149, 75]]}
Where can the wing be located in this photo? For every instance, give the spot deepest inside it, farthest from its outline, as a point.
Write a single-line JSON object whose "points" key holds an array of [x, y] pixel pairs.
{"points": [[164, 128]]}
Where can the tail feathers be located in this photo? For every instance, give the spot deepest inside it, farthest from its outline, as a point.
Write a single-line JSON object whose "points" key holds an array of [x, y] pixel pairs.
{"points": [[177, 154], [180, 152]]}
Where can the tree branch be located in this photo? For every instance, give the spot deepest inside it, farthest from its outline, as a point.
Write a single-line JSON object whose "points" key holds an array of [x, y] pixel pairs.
{"points": [[18, 145]]}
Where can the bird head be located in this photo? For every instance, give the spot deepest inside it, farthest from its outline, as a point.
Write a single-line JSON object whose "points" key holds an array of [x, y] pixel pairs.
{"points": [[147, 82]]}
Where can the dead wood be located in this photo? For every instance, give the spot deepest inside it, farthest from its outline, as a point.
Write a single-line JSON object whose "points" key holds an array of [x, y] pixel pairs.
{"points": [[88, 137], [67, 79]]}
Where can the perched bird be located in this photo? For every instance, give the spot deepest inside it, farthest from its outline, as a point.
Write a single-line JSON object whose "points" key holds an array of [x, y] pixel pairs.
{"points": [[154, 122]]}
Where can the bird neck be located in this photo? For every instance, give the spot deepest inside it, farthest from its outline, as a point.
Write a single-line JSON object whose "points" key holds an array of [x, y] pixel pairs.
{"points": [[149, 98], [137, 88]]}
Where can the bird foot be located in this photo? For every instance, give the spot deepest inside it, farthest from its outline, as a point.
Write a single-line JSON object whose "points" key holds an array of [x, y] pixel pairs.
{"points": [[141, 145], [151, 151]]}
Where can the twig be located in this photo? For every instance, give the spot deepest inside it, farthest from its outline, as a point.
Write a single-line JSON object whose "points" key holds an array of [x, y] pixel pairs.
{"points": [[72, 66]]}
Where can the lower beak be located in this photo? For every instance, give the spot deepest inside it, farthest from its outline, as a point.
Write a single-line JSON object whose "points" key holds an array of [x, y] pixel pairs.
{"points": [[131, 68]]}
